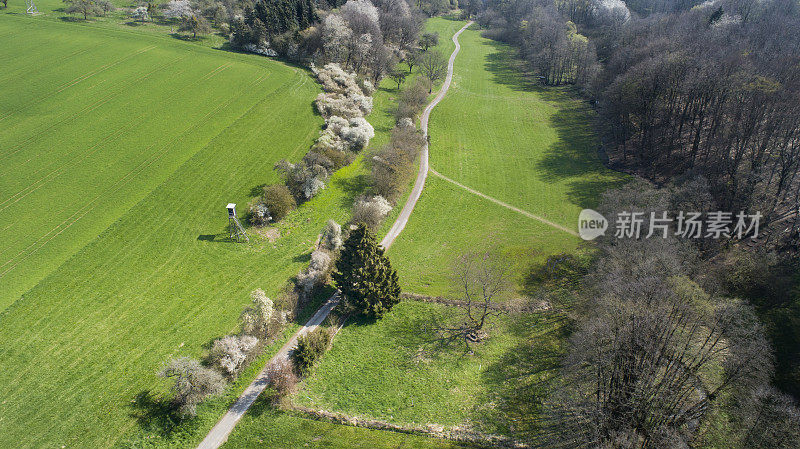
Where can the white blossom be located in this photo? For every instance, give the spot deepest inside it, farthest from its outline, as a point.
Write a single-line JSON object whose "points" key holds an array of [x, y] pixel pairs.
{"points": [[178, 9]]}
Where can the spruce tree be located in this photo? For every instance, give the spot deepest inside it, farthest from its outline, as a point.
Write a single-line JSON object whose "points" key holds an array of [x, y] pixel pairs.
{"points": [[368, 284]]}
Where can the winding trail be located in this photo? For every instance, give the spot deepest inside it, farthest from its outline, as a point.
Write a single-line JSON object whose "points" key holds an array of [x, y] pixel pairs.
{"points": [[419, 184], [219, 433]]}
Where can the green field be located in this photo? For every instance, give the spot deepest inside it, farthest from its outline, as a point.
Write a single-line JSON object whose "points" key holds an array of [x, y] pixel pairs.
{"points": [[498, 133], [530, 147], [119, 154]]}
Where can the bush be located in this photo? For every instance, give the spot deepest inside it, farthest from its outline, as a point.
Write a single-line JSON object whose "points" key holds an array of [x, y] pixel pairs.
{"points": [[193, 383], [282, 379], [358, 134], [306, 179], [288, 302], [413, 99], [259, 213], [257, 317], [279, 201], [371, 211], [331, 239], [230, 353], [316, 274], [393, 165], [310, 348]]}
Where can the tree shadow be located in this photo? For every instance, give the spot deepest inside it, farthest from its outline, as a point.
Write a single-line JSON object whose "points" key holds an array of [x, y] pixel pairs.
{"points": [[258, 190], [422, 335], [574, 157], [351, 187], [520, 379], [507, 69], [72, 19], [155, 415]]}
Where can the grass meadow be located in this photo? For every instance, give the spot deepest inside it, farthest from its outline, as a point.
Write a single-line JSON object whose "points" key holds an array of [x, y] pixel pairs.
{"points": [[121, 146], [530, 147], [497, 132], [119, 154]]}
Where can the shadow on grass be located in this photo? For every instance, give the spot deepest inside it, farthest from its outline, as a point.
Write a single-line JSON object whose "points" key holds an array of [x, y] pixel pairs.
{"points": [[351, 187], [574, 155], [519, 381], [422, 333], [155, 415]]}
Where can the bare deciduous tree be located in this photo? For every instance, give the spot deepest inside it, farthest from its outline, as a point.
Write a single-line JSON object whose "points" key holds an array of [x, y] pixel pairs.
{"points": [[433, 66], [481, 278]]}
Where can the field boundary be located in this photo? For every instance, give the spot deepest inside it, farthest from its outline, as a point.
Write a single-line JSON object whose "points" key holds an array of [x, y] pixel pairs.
{"points": [[456, 434]]}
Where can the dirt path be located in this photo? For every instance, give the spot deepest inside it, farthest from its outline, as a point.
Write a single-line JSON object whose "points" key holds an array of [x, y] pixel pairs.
{"points": [[219, 433], [402, 219], [506, 205]]}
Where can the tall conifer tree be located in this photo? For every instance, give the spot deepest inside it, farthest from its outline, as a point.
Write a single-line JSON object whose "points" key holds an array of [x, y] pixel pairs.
{"points": [[368, 284]]}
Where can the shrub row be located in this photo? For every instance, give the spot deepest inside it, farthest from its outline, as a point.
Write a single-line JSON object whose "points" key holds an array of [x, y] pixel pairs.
{"points": [[194, 381], [343, 104]]}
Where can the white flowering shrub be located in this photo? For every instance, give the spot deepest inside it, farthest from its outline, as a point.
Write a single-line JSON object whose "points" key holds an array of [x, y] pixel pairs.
{"points": [[312, 186], [140, 13], [331, 236], [371, 210], [260, 50], [405, 122], [361, 10], [335, 36], [358, 134], [330, 140], [316, 273], [229, 353], [259, 213], [329, 104], [178, 9], [255, 318], [192, 383], [367, 87], [336, 124]]}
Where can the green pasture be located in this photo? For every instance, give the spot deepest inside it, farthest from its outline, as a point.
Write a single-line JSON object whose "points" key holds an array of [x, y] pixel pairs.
{"points": [[119, 154], [395, 370], [498, 133]]}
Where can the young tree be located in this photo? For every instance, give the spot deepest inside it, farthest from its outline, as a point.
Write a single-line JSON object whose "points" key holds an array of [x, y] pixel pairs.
{"points": [[85, 8], [230, 353], [433, 66], [105, 6], [192, 383], [195, 24], [480, 277], [428, 40], [398, 75], [412, 59], [368, 284]]}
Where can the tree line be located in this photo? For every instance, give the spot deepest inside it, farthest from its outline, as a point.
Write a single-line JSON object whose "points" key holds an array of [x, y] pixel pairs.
{"points": [[703, 87], [663, 354]]}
